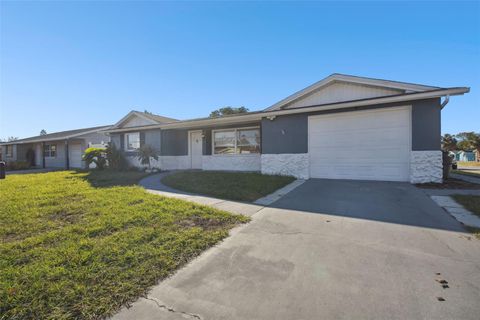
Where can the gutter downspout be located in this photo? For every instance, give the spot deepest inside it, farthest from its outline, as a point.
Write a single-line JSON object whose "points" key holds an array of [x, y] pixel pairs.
{"points": [[445, 102]]}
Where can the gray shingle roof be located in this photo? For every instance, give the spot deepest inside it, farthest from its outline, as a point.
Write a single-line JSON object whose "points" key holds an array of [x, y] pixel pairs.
{"points": [[58, 135]]}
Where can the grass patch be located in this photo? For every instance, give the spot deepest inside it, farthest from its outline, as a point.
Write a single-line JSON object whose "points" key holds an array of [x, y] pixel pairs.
{"points": [[70, 250], [241, 186], [468, 163], [109, 178], [450, 183], [468, 173], [474, 231], [471, 203]]}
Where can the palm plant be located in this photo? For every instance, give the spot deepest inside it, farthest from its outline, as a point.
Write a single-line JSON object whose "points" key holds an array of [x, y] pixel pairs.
{"points": [[145, 154]]}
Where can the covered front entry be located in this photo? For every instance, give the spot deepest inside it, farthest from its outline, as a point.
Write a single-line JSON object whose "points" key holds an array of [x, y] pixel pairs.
{"points": [[361, 145]]}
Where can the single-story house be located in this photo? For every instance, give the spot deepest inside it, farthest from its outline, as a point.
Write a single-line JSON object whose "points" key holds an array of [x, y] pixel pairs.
{"points": [[342, 127], [55, 150], [465, 155]]}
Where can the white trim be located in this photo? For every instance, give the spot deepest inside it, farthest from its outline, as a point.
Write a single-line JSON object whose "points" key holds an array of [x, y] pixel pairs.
{"points": [[257, 116], [235, 147], [101, 130], [125, 142], [133, 113], [190, 154], [50, 151], [408, 87]]}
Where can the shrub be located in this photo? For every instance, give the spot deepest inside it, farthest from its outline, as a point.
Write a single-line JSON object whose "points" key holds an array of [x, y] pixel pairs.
{"points": [[17, 165], [146, 153], [116, 159], [97, 156]]}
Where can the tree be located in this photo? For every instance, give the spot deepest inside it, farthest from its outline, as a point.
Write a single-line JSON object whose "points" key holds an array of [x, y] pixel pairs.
{"points": [[10, 139], [469, 141], [146, 153], [449, 142], [227, 111], [43, 132]]}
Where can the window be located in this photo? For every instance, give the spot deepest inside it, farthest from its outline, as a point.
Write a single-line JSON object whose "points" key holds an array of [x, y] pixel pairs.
{"points": [[132, 141], [236, 141], [50, 151], [8, 151]]}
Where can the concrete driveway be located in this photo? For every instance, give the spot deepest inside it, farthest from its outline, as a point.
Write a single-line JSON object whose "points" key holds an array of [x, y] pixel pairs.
{"points": [[331, 250]]}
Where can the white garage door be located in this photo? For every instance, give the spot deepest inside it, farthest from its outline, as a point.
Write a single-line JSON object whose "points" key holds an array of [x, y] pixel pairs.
{"points": [[361, 145], [75, 154]]}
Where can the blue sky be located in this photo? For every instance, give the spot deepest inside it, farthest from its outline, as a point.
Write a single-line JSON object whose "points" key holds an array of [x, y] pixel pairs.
{"points": [[67, 65]]}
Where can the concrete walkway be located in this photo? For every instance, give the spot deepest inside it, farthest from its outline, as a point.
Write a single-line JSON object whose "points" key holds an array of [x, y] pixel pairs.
{"points": [[154, 185], [329, 250], [457, 211]]}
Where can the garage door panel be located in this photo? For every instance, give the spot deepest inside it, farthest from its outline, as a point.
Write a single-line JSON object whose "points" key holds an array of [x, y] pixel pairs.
{"points": [[361, 145]]}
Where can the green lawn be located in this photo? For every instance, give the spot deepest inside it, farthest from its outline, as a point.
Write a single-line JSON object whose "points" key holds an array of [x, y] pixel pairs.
{"points": [[241, 186], [471, 203], [76, 246], [468, 172], [468, 163]]}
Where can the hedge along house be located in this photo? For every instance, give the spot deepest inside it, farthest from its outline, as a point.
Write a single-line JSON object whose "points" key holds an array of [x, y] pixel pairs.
{"points": [[55, 150], [342, 127]]}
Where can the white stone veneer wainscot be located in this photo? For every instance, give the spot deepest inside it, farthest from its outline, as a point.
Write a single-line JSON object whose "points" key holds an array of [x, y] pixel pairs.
{"points": [[175, 162], [426, 166], [232, 162], [286, 164], [163, 162]]}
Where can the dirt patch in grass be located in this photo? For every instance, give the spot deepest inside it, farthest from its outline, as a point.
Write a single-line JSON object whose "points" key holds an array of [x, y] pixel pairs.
{"points": [[241, 186], [73, 247], [450, 183]]}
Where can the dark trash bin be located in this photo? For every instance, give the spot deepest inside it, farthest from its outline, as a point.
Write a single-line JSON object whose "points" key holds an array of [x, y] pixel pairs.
{"points": [[2, 170]]}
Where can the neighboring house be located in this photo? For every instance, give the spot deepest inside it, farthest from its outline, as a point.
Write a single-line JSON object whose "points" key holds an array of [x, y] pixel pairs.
{"points": [[55, 150], [342, 127], [465, 155]]}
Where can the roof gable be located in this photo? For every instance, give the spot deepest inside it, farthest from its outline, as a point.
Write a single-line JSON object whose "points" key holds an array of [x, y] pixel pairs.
{"points": [[138, 119], [341, 88]]}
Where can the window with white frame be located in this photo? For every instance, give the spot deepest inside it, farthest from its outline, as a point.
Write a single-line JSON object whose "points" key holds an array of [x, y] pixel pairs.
{"points": [[8, 151], [132, 141], [50, 151], [236, 141]]}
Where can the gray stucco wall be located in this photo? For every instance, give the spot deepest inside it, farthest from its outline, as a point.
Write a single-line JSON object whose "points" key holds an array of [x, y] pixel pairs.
{"points": [[174, 142], [154, 139], [289, 134], [285, 134], [115, 139], [59, 160], [426, 125], [151, 137]]}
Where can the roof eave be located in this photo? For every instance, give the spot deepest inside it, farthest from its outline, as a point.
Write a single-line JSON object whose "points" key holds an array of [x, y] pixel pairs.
{"points": [[244, 118], [102, 129]]}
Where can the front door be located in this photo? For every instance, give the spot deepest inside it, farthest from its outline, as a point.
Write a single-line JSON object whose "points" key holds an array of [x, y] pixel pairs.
{"points": [[196, 143]]}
